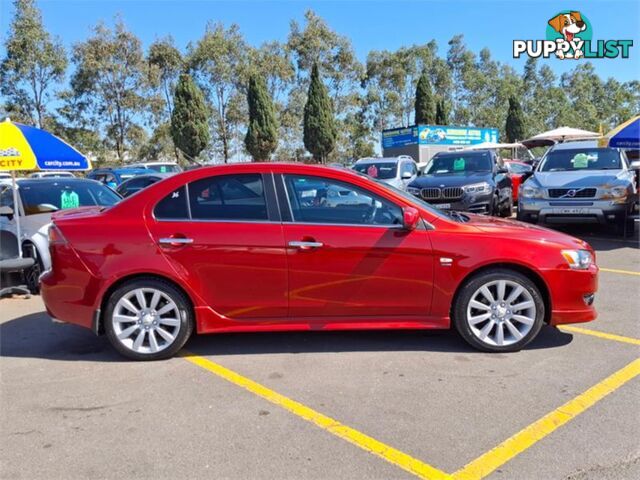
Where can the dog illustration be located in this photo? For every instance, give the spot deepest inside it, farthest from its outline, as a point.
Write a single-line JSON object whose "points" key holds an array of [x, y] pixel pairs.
{"points": [[568, 25]]}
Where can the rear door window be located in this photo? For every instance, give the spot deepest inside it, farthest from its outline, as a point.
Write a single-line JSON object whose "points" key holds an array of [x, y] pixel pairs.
{"points": [[228, 197], [173, 206]]}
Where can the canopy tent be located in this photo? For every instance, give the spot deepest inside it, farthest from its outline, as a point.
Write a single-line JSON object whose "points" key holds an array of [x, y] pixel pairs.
{"points": [[559, 135], [625, 135], [28, 148]]}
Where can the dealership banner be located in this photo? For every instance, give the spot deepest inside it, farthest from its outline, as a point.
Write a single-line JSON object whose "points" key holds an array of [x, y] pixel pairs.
{"points": [[437, 135]]}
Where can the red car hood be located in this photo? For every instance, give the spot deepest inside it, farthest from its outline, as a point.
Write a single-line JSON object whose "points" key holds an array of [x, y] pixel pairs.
{"points": [[515, 229]]}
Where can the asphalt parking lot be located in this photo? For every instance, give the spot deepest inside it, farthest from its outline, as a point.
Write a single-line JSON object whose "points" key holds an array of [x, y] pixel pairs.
{"points": [[330, 405]]}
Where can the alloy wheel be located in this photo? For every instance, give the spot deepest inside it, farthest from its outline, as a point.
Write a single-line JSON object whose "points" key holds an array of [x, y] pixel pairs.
{"points": [[146, 320], [501, 313]]}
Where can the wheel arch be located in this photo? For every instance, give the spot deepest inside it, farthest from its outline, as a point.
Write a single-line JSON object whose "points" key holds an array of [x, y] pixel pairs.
{"points": [[530, 273], [98, 321]]}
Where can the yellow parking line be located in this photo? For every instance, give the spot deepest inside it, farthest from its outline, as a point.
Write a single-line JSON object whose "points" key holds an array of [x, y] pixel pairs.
{"points": [[595, 333], [525, 438], [615, 270], [371, 445]]}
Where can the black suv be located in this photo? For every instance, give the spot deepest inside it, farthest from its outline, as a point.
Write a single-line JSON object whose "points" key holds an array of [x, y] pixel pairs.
{"points": [[474, 181]]}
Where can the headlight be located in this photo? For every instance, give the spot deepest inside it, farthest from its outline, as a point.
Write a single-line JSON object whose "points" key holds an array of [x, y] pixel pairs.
{"points": [[619, 192], [578, 259], [531, 192], [477, 188], [413, 191]]}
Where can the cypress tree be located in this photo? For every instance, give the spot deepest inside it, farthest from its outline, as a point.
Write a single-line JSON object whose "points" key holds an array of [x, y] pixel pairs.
{"points": [[514, 127], [425, 109], [190, 118], [319, 125], [442, 114], [262, 135]]}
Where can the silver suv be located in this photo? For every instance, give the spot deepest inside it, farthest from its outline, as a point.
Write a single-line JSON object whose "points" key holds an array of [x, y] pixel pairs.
{"points": [[579, 182], [396, 171]]}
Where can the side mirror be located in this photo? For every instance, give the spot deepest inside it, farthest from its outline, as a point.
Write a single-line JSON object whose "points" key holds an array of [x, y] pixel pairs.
{"points": [[6, 212], [410, 218], [406, 175], [635, 165]]}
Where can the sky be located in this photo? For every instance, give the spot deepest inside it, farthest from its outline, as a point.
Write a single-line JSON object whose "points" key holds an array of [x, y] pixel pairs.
{"points": [[371, 25]]}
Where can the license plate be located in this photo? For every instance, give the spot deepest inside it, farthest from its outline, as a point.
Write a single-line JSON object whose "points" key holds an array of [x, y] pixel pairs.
{"points": [[442, 205], [571, 211]]}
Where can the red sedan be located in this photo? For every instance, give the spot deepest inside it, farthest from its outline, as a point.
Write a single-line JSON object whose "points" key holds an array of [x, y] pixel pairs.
{"points": [[273, 247], [517, 171]]}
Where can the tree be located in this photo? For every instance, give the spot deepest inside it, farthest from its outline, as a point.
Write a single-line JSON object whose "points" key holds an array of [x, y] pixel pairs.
{"points": [[514, 128], [319, 125], [33, 64], [190, 118], [218, 61], [442, 114], [109, 79], [424, 107], [262, 134]]}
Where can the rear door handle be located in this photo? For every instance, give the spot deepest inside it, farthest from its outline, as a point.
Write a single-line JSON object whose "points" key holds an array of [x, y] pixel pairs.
{"points": [[175, 241], [305, 245]]}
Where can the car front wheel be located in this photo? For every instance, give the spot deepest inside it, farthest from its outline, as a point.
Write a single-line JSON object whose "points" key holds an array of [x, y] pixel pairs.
{"points": [[148, 319], [499, 311]]}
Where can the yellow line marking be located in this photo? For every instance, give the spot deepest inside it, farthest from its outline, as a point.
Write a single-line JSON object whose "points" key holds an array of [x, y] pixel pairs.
{"points": [[595, 333], [371, 445], [525, 438], [615, 270]]}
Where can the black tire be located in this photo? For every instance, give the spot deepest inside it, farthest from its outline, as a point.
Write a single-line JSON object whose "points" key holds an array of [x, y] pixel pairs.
{"points": [[625, 226], [523, 217], [32, 274], [186, 317], [471, 286], [494, 208], [508, 209]]}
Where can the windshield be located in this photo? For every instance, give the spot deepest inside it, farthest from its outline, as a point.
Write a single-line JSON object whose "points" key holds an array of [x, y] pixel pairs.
{"points": [[581, 159], [45, 197], [379, 170], [165, 168], [460, 163]]}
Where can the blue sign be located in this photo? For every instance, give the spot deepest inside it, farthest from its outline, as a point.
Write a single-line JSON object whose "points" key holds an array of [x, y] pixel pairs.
{"points": [[399, 137], [437, 135]]}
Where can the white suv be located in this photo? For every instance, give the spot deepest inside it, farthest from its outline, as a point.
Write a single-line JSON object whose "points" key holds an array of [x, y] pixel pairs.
{"points": [[396, 171]]}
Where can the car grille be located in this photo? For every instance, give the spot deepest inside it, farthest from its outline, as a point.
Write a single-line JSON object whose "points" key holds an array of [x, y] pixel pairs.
{"points": [[572, 192], [430, 193], [451, 193]]}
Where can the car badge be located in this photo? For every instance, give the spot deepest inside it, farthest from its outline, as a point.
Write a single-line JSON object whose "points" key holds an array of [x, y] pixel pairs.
{"points": [[571, 193]]}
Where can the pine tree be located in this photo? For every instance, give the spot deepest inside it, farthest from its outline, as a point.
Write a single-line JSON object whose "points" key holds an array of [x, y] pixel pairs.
{"points": [[319, 125], [262, 134], [190, 118], [515, 121], [442, 114], [425, 111]]}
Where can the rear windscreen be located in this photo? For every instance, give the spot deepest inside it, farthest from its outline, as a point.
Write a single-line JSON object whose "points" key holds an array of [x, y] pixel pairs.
{"points": [[44, 197]]}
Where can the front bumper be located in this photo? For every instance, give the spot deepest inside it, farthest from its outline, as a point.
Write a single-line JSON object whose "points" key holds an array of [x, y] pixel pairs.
{"points": [[551, 211], [571, 293]]}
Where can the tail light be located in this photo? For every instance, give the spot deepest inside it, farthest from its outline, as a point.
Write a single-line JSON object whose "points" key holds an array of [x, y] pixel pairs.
{"points": [[55, 236]]}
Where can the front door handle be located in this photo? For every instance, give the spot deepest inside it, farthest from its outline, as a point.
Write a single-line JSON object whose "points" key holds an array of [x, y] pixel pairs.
{"points": [[305, 245]]}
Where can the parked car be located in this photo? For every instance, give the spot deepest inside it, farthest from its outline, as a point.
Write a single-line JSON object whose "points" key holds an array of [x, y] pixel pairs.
{"points": [[518, 172], [5, 175], [240, 247], [579, 182], [137, 183], [38, 199], [396, 171], [112, 177], [469, 180], [160, 167], [52, 174]]}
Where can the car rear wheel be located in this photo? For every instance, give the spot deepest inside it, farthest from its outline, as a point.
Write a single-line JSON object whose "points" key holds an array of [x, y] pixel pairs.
{"points": [[148, 319], [499, 310]]}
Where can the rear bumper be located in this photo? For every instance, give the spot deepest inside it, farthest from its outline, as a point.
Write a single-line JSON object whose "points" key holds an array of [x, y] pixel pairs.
{"points": [[570, 295]]}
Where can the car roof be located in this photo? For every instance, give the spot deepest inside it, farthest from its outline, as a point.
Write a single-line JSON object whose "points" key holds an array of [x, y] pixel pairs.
{"points": [[44, 180], [151, 175], [463, 152], [380, 160], [119, 170]]}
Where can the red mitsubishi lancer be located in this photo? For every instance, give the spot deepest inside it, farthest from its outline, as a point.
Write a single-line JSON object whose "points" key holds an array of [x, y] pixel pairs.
{"points": [[274, 247]]}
